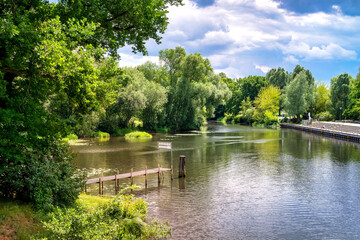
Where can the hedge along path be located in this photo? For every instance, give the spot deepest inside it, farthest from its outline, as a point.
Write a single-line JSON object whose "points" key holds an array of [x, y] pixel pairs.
{"points": [[130, 175]]}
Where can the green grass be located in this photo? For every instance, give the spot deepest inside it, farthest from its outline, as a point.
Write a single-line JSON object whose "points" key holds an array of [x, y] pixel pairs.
{"points": [[138, 134], [19, 221], [92, 202]]}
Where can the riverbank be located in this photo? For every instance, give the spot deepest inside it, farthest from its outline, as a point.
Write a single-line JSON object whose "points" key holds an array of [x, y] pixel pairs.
{"points": [[348, 131]]}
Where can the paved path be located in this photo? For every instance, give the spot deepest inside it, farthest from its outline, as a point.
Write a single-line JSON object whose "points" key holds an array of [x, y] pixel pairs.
{"points": [[338, 126]]}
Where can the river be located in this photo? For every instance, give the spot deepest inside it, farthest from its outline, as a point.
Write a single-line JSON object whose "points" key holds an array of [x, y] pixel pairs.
{"points": [[242, 182]]}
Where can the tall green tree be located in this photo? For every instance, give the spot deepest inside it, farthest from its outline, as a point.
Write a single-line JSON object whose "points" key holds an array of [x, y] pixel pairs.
{"points": [[353, 110], [49, 49], [321, 98], [339, 95], [298, 95], [267, 104], [279, 78]]}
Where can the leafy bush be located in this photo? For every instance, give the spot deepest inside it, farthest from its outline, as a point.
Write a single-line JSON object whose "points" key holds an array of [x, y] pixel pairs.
{"points": [[122, 218], [325, 116], [138, 134], [72, 136], [162, 130], [100, 134], [122, 132], [45, 179]]}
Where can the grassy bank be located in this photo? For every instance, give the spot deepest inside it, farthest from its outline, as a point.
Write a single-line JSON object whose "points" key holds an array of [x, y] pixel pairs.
{"points": [[122, 217], [19, 220]]}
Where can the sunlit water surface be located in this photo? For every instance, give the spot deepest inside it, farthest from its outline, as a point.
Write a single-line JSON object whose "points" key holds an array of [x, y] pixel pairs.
{"points": [[242, 182]]}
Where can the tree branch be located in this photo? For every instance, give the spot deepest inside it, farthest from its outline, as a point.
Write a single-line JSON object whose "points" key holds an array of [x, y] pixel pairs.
{"points": [[23, 72], [117, 16]]}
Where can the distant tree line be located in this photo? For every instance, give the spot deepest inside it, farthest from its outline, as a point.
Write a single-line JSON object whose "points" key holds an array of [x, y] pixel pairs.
{"points": [[293, 94]]}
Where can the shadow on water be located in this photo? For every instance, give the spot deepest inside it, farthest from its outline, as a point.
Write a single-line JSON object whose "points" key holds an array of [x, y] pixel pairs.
{"points": [[243, 182]]}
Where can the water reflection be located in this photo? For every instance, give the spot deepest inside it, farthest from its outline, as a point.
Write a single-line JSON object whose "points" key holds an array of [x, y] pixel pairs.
{"points": [[244, 183]]}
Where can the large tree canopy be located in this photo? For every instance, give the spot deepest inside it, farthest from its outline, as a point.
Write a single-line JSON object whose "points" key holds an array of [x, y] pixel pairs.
{"points": [[339, 94], [56, 52]]}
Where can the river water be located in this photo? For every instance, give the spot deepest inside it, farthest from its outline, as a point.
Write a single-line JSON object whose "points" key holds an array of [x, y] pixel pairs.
{"points": [[242, 182]]}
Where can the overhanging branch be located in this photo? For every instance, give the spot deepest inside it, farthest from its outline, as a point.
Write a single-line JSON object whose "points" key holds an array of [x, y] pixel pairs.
{"points": [[24, 72]]}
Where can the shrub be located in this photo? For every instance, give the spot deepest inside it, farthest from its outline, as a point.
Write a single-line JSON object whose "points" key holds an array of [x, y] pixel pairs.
{"points": [[100, 134], [45, 179], [325, 116], [162, 130], [138, 134], [72, 137], [122, 218], [122, 132]]}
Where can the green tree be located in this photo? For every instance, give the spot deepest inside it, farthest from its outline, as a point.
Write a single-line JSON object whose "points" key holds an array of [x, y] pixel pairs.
{"points": [[321, 98], [339, 95], [267, 105], [298, 95], [247, 111], [279, 78], [250, 86], [51, 49], [353, 110], [194, 90], [172, 59]]}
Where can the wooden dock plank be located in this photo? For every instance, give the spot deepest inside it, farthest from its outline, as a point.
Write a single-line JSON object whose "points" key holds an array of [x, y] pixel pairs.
{"points": [[127, 175]]}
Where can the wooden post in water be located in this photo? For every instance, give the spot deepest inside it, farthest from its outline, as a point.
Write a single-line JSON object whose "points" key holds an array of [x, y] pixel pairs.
{"points": [[101, 185], [145, 176], [182, 159], [131, 175], [116, 182], [159, 180], [85, 185], [172, 172]]}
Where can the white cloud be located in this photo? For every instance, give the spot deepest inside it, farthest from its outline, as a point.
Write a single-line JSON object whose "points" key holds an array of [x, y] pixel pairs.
{"points": [[132, 60], [264, 69], [231, 33], [291, 59], [330, 51]]}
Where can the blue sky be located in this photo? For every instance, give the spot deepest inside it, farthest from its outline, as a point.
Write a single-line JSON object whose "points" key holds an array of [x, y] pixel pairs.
{"points": [[249, 37]]}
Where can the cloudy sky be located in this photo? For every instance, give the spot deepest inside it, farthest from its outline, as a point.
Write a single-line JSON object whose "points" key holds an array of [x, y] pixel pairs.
{"points": [[249, 37]]}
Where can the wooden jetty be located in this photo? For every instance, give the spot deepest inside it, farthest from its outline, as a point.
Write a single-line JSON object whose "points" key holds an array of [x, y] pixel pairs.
{"points": [[322, 131], [131, 175]]}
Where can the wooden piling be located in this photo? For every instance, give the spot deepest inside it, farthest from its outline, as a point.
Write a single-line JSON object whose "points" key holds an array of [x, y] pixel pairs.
{"points": [[116, 182], [182, 160], [131, 176], [85, 189], [101, 185], [145, 176], [159, 180], [172, 172]]}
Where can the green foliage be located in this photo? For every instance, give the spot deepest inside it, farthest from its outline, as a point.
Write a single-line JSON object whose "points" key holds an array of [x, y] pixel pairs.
{"points": [[19, 220], [194, 91], [321, 98], [122, 218], [326, 116], [72, 136], [299, 93], [247, 112], [353, 110], [138, 134], [100, 134], [339, 95], [53, 76], [267, 105], [122, 132], [278, 77]]}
